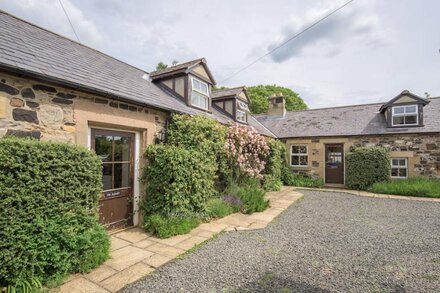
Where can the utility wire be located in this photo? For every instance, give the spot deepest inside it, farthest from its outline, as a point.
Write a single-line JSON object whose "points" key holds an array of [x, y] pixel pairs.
{"points": [[68, 18], [287, 41]]}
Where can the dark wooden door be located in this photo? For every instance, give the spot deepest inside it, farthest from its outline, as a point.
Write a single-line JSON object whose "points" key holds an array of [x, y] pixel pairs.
{"points": [[116, 151], [334, 163]]}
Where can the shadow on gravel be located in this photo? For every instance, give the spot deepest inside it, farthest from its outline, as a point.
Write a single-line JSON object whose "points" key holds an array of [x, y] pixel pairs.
{"points": [[270, 282]]}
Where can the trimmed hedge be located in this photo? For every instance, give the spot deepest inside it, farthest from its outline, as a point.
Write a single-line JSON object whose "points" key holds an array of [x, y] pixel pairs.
{"points": [[48, 211], [177, 181], [365, 166]]}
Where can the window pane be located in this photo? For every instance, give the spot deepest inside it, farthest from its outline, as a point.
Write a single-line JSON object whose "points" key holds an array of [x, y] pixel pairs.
{"points": [[103, 147], [399, 110], [410, 109], [295, 160], [122, 148], [402, 162], [303, 160], [295, 149], [402, 172], [398, 120], [394, 172], [107, 176], [411, 119], [303, 149], [199, 100], [204, 88], [122, 175]]}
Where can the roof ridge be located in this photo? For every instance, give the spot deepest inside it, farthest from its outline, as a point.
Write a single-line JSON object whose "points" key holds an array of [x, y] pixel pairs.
{"points": [[69, 39], [178, 64], [228, 89]]}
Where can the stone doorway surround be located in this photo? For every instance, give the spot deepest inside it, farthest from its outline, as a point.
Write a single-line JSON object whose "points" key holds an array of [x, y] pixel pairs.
{"points": [[135, 253]]}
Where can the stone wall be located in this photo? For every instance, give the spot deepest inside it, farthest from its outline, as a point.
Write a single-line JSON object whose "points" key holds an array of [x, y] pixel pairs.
{"points": [[421, 150], [47, 112]]}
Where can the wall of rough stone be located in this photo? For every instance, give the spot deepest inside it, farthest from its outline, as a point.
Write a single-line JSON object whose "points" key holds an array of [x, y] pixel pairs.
{"points": [[47, 112], [421, 150]]}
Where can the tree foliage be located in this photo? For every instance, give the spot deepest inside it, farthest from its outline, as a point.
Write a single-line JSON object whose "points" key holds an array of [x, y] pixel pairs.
{"points": [[161, 66], [259, 98]]}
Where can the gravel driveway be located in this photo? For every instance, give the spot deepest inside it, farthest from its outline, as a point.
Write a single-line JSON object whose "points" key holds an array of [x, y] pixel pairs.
{"points": [[327, 242]]}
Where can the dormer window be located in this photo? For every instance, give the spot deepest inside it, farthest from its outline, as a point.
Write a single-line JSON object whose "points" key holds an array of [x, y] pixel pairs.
{"points": [[241, 113], [199, 94], [405, 115]]}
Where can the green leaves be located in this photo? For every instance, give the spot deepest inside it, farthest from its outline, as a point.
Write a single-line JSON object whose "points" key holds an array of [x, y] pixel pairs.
{"points": [[48, 211], [259, 98], [365, 166]]}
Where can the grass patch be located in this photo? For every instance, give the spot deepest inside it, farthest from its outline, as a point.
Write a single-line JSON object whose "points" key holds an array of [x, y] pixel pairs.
{"points": [[415, 186], [218, 208], [165, 227]]}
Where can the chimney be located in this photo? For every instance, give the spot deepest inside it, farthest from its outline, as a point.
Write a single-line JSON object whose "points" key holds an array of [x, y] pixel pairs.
{"points": [[277, 106]]}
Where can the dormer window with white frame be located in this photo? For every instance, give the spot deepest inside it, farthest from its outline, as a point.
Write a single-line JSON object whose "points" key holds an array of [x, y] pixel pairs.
{"points": [[199, 94], [407, 115], [241, 112]]}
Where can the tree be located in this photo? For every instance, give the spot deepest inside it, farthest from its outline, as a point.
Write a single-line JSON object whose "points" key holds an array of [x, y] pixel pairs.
{"points": [[161, 66], [260, 103]]}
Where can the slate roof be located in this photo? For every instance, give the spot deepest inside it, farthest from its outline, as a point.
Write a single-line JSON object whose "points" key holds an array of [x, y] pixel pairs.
{"points": [[38, 53], [227, 92], [346, 121]]}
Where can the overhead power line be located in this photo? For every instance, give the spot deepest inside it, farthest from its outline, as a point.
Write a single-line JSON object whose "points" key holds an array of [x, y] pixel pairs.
{"points": [[68, 18], [288, 40]]}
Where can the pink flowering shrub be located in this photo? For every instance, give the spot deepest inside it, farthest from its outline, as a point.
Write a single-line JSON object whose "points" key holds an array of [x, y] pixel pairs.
{"points": [[246, 151]]}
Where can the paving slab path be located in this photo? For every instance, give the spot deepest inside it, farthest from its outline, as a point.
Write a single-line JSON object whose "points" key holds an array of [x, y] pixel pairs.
{"points": [[135, 253], [327, 242]]}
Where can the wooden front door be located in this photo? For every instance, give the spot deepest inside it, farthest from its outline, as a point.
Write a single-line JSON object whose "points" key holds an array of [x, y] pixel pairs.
{"points": [[116, 150], [334, 163]]}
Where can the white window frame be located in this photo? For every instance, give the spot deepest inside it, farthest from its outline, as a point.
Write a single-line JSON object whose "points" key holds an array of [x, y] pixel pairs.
{"points": [[203, 94], [306, 154], [243, 114], [399, 167], [404, 114]]}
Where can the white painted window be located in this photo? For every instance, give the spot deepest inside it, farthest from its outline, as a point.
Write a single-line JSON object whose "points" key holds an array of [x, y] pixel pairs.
{"points": [[200, 94], [241, 116], [243, 106], [399, 168], [405, 115], [299, 155]]}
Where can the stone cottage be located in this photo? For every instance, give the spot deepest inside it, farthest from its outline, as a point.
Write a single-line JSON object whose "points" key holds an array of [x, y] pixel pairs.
{"points": [[53, 88], [317, 140]]}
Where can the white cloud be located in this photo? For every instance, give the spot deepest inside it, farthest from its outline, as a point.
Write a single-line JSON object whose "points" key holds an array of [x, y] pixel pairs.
{"points": [[356, 22]]}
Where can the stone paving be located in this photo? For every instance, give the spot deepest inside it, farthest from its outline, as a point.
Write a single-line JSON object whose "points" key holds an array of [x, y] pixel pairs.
{"points": [[135, 253]]}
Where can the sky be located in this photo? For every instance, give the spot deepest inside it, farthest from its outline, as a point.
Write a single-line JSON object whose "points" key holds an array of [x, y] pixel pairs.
{"points": [[368, 52]]}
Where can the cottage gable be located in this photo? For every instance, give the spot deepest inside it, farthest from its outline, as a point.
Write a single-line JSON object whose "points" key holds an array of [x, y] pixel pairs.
{"points": [[234, 102]]}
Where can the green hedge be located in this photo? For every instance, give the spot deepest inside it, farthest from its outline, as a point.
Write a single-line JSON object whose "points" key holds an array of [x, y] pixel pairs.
{"points": [[365, 166], [48, 211], [291, 179], [203, 135], [177, 181], [272, 177]]}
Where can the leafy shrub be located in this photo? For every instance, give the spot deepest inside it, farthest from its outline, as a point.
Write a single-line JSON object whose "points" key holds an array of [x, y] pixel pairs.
{"points": [[48, 211], [165, 227], [34, 285], [365, 166], [274, 166], [177, 181], [260, 103], [300, 180], [218, 208], [203, 135], [251, 196], [415, 186]]}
